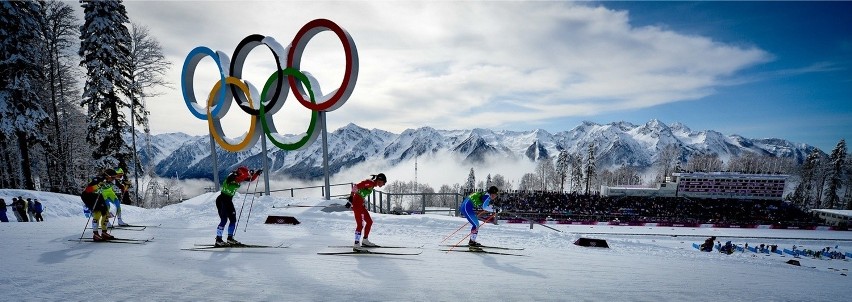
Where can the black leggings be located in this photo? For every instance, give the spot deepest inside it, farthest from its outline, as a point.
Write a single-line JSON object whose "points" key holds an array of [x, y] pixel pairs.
{"points": [[225, 206]]}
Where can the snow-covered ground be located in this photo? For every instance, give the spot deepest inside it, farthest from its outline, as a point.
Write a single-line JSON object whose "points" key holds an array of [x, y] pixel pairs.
{"points": [[39, 263]]}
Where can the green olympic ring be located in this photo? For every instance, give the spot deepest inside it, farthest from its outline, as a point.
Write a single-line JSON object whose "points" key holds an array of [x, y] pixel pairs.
{"points": [[270, 131], [268, 126]]}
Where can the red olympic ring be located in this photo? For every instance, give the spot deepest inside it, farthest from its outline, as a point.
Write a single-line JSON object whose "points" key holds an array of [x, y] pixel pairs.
{"points": [[294, 57]]}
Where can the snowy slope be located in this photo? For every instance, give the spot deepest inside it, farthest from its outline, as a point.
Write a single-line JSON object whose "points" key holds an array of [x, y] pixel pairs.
{"points": [[643, 264]]}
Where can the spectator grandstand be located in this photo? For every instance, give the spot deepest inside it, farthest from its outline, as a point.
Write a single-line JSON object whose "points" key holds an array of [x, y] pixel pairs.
{"points": [[722, 185], [540, 205]]}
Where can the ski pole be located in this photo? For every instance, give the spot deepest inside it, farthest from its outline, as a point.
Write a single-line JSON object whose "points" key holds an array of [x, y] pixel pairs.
{"points": [[118, 209], [471, 233], [251, 205], [85, 227], [451, 235], [236, 224], [92, 211], [114, 219]]}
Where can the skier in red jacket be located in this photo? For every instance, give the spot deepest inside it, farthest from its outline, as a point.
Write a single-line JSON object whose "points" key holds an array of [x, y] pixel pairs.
{"points": [[362, 216]]}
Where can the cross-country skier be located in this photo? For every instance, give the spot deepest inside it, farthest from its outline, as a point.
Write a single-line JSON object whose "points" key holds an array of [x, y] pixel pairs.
{"points": [[123, 186], [97, 202], [363, 221], [479, 200], [225, 203]]}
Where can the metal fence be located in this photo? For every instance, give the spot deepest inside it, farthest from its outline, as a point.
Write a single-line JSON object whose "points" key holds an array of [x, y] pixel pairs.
{"points": [[383, 202], [340, 190]]}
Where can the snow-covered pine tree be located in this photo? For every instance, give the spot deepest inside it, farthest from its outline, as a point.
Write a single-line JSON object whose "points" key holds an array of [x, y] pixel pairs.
{"points": [[105, 52], [803, 194], [576, 172], [562, 165], [470, 184], [21, 78], [590, 170], [835, 174]]}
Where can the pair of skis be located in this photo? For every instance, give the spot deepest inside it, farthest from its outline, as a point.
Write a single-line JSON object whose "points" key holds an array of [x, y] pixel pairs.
{"points": [[490, 247], [115, 240], [128, 227], [132, 227], [213, 247], [372, 250], [484, 249], [377, 250]]}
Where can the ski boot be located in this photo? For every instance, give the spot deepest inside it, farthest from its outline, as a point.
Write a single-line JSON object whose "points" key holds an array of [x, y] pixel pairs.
{"points": [[474, 246], [358, 248], [121, 222], [367, 243], [97, 237], [106, 236], [220, 243], [232, 241]]}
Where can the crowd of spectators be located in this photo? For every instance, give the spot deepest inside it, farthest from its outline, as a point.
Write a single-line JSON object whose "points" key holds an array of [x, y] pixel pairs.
{"points": [[29, 210], [573, 206]]}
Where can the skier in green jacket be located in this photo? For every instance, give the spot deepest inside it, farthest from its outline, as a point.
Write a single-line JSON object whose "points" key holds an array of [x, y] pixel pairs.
{"points": [[477, 200], [100, 209], [225, 203]]}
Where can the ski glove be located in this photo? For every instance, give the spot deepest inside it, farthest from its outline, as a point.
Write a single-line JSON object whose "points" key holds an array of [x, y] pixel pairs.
{"points": [[258, 172]]}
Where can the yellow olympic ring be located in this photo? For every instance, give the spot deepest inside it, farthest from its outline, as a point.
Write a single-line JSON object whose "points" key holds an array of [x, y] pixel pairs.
{"points": [[215, 124]]}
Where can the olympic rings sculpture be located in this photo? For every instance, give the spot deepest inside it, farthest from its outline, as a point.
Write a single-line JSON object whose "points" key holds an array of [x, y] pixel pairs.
{"points": [[261, 106]]}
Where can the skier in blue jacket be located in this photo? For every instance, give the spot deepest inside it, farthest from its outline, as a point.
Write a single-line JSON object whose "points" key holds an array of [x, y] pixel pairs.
{"points": [[478, 200]]}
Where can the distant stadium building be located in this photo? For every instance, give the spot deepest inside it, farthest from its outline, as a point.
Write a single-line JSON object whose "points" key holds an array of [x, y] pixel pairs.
{"points": [[712, 185], [834, 217], [730, 185], [661, 190]]}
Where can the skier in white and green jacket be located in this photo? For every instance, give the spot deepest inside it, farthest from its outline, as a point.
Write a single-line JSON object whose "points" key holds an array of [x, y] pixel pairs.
{"points": [[477, 200], [225, 203]]}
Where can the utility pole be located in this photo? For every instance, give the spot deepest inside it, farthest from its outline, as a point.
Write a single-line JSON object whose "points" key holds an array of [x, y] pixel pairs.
{"points": [[415, 174]]}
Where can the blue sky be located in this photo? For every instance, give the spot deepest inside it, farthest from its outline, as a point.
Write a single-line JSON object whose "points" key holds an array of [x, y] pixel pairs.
{"points": [[804, 94], [756, 69]]}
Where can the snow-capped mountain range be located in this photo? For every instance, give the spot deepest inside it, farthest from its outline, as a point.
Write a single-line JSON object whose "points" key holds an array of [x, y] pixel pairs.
{"points": [[616, 144]]}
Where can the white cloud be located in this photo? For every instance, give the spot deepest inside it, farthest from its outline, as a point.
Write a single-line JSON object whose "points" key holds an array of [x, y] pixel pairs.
{"points": [[452, 65]]}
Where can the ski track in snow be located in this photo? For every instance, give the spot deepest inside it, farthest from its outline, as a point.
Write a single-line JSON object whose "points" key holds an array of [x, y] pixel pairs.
{"points": [[41, 264]]}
